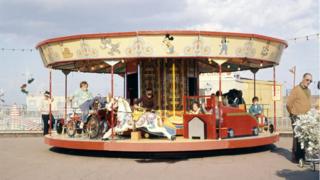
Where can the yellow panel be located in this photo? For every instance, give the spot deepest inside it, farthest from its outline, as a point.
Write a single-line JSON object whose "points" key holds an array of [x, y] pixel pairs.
{"points": [[161, 46]]}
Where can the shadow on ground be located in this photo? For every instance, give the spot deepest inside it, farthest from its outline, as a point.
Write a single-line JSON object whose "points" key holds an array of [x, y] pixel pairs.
{"points": [[169, 157], [282, 152], [304, 174]]}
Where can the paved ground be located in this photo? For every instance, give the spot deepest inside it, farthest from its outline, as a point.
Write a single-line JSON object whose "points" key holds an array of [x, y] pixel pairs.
{"points": [[30, 158]]}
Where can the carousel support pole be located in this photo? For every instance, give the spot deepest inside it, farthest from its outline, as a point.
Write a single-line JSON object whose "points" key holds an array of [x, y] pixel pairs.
{"points": [[125, 83], [254, 84], [220, 62], [112, 118], [112, 63], [65, 72], [274, 99], [174, 88], [50, 107], [254, 71], [220, 101]]}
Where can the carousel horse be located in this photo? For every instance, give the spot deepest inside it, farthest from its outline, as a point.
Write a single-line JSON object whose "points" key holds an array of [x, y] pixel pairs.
{"points": [[148, 122]]}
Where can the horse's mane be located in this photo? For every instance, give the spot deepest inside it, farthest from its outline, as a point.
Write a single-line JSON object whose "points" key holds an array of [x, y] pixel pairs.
{"points": [[123, 105]]}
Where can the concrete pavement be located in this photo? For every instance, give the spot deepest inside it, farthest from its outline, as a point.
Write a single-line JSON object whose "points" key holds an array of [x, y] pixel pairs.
{"points": [[30, 158]]}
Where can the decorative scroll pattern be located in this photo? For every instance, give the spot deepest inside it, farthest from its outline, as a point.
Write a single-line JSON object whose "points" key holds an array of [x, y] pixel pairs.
{"points": [[86, 51], [197, 48], [52, 55], [112, 47], [139, 47], [247, 50]]}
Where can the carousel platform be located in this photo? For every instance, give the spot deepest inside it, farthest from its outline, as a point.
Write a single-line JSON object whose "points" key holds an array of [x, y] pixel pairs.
{"points": [[160, 145]]}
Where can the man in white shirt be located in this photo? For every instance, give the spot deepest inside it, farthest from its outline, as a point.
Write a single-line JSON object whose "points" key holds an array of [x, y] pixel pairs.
{"points": [[44, 108]]}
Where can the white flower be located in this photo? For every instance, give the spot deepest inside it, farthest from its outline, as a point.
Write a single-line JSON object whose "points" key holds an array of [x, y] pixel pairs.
{"points": [[307, 130]]}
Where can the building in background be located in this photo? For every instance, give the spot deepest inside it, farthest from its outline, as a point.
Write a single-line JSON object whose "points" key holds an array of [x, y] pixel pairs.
{"points": [[209, 83]]}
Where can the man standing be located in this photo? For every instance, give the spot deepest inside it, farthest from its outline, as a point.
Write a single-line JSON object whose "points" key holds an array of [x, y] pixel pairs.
{"points": [[299, 102], [45, 114]]}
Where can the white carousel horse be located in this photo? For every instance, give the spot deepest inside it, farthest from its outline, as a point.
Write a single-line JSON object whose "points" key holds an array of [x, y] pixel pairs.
{"points": [[148, 122]]}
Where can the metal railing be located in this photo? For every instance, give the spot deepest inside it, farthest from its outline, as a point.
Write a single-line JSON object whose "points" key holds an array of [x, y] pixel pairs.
{"points": [[17, 118]]}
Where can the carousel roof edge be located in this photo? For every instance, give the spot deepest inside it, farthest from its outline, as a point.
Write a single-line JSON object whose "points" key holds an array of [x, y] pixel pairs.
{"points": [[172, 32]]}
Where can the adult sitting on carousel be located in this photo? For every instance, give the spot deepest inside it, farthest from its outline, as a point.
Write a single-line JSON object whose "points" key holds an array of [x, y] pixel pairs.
{"points": [[147, 101]]}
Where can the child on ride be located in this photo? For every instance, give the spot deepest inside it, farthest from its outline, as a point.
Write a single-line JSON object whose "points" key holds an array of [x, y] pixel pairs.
{"points": [[80, 100], [255, 109], [195, 108]]}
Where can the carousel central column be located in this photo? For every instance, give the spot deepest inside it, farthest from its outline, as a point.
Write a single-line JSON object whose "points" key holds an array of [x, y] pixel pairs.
{"points": [[165, 86], [174, 88], [139, 80], [220, 62]]}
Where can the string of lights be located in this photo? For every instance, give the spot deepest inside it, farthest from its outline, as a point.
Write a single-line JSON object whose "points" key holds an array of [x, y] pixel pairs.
{"points": [[17, 49], [305, 37]]}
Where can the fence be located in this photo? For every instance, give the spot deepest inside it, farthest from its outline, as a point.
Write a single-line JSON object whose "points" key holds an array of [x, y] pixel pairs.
{"points": [[17, 118]]}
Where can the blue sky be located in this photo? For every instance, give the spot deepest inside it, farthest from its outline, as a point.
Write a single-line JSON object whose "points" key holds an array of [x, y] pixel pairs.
{"points": [[24, 23]]}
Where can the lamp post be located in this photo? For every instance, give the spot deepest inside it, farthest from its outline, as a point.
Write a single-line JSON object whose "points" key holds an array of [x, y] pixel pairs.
{"points": [[293, 71]]}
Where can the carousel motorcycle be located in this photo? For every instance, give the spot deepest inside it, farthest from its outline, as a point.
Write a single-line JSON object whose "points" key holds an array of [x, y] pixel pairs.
{"points": [[97, 120]]}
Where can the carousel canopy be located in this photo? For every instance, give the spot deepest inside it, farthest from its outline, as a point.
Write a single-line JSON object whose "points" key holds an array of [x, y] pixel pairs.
{"points": [[90, 52]]}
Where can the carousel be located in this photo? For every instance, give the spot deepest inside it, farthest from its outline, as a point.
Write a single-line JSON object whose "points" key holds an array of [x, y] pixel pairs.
{"points": [[169, 64]]}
